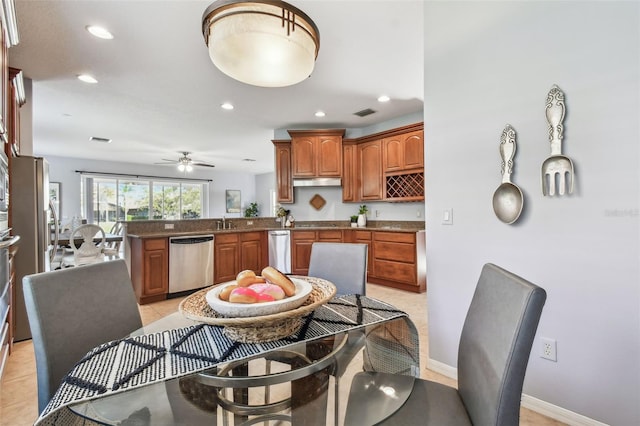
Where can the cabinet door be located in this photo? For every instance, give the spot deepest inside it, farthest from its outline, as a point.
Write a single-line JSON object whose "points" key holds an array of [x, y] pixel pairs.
{"points": [[330, 236], [370, 181], [251, 252], [226, 262], [413, 150], [283, 172], [349, 173], [393, 154], [301, 242], [329, 156], [304, 156], [156, 272]]}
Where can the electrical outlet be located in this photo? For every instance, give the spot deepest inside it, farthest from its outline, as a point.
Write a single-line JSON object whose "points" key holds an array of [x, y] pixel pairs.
{"points": [[249, 222], [548, 349], [168, 226], [377, 213]]}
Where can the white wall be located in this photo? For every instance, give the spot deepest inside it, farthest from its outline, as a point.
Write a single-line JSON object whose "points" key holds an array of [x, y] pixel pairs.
{"points": [[63, 170], [491, 63]]}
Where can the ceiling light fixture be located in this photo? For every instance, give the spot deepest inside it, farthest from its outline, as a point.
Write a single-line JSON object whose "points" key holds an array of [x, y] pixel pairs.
{"points": [[384, 98], [226, 106], [184, 164], [99, 32], [264, 43], [320, 114], [87, 78]]}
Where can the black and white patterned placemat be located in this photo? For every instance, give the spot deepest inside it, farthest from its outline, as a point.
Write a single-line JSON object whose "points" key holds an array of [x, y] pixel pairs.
{"points": [[137, 361]]}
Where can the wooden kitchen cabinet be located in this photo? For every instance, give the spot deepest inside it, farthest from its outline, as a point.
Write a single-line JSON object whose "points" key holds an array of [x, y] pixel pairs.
{"points": [[403, 152], [301, 242], [14, 102], [253, 251], [349, 172], [150, 268], [284, 181], [399, 260], [316, 153], [226, 258], [370, 177], [237, 251]]}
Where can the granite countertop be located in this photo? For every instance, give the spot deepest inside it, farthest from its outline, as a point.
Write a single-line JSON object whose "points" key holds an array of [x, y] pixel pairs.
{"points": [[164, 233]]}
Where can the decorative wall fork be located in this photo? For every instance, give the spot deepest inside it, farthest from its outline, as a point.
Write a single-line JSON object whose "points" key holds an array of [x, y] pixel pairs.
{"points": [[557, 170]]}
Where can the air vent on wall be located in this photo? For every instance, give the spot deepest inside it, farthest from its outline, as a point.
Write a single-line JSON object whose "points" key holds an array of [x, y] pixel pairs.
{"points": [[364, 112], [97, 139]]}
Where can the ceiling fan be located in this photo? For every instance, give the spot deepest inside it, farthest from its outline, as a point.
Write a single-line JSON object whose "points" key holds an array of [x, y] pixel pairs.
{"points": [[186, 163]]}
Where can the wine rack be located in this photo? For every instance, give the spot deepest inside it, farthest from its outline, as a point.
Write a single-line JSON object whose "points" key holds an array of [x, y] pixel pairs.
{"points": [[405, 187]]}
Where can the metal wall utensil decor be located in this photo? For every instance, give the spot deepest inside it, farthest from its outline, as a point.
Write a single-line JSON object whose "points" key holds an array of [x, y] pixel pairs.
{"points": [[507, 199], [557, 170]]}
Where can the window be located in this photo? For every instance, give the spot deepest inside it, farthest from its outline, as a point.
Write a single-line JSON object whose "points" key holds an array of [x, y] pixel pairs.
{"points": [[108, 199]]}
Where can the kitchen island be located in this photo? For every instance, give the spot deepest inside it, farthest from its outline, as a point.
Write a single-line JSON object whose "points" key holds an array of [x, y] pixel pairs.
{"points": [[396, 250]]}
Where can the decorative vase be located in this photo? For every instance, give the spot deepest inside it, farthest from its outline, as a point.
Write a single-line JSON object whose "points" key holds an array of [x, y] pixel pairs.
{"points": [[362, 220], [354, 224]]}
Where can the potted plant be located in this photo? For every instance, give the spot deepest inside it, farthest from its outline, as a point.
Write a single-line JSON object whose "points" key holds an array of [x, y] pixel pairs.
{"points": [[252, 210], [362, 216], [354, 221]]}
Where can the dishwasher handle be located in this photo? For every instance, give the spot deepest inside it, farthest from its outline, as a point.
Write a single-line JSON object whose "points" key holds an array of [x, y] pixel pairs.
{"points": [[190, 240]]}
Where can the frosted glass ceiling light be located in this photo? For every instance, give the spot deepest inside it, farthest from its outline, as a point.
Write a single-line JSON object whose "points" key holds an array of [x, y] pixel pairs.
{"points": [[261, 42]]}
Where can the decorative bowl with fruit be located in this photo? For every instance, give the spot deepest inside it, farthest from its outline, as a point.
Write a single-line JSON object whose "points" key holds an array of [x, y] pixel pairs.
{"points": [[252, 295]]}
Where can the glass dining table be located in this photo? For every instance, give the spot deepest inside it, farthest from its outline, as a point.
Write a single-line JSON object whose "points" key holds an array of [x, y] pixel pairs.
{"points": [[290, 381]]}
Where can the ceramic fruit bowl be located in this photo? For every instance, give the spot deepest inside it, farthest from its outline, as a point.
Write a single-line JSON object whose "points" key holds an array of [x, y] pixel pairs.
{"points": [[229, 309]]}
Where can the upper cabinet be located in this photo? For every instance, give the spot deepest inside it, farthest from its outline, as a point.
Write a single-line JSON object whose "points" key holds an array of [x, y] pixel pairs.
{"points": [[8, 38], [15, 101], [316, 153], [284, 182], [404, 152], [369, 164]]}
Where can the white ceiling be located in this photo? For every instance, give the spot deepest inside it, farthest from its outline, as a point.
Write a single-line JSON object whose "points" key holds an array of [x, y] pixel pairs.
{"points": [[159, 93]]}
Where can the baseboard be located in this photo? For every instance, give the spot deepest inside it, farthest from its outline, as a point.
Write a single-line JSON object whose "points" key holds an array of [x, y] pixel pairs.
{"points": [[546, 409]]}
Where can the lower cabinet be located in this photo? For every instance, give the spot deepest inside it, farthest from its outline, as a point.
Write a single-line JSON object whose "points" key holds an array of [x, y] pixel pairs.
{"points": [[301, 242], [226, 258], [235, 252], [150, 268], [399, 260]]}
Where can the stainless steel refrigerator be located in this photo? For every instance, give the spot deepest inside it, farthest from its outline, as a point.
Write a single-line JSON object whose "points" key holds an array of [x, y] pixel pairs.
{"points": [[30, 217]]}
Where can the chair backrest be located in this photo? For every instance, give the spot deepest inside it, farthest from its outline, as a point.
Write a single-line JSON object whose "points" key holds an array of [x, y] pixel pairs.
{"points": [[344, 264], [89, 251], [495, 345], [73, 310], [114, 246]]}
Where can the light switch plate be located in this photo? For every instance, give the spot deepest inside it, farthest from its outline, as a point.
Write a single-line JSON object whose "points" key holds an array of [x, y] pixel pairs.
{"points": [[447, 217]]}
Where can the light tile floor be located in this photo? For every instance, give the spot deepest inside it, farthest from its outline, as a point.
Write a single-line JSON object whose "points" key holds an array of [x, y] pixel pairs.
{"points": [[18, 391]]}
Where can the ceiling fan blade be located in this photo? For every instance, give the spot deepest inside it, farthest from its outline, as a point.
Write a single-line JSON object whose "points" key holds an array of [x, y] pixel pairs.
{"points": [[203, 164]]}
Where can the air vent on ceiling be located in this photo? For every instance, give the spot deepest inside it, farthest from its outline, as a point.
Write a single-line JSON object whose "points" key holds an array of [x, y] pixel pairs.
{"points": [[97, 139], [364, 112]]}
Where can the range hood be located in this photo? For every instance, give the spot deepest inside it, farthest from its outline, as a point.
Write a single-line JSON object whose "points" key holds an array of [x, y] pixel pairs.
{"points": [[317, 182]]}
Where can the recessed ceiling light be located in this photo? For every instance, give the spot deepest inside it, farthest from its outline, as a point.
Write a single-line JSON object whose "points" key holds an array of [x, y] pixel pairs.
{"points": [[226, 106], [87, 78], [320, 114], [99, 32], [384, 98]]}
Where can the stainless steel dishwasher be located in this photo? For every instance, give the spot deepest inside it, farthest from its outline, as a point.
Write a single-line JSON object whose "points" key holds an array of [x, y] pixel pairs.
{"points": [[190, 262], [280, 250]]}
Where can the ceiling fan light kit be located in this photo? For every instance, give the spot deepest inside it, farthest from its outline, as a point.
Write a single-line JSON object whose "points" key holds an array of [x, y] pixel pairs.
{"points": [[185, 163], [263, 43]]}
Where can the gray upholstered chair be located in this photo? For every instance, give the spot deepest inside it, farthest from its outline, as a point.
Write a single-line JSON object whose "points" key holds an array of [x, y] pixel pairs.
{"points": [[73, 310], [493, 354], [344, 264]]}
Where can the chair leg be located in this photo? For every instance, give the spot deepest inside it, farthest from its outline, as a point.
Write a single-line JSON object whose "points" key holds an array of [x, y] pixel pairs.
{"points": [[336, 396]]}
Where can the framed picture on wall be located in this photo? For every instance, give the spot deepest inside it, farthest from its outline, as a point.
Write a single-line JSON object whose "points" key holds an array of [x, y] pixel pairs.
{"points": [[54, 196], [233, 200]]}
